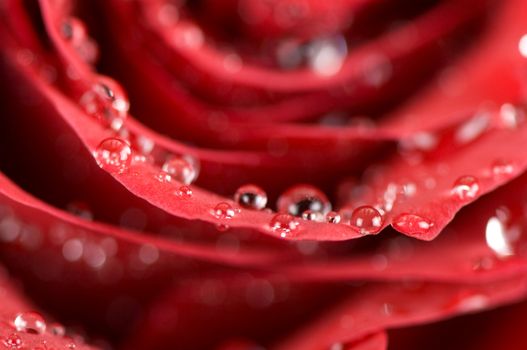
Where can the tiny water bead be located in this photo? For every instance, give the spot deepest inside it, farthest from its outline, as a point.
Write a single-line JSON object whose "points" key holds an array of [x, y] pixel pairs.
{"points": [[107, 102], [114, 155], [333, 217], [412, 224], [13, 341], [366, 220], [300, 198], [180, 169], [184, 192], [251, 197], [224, 210], [30, 322], [466, 187], [283, 224]]}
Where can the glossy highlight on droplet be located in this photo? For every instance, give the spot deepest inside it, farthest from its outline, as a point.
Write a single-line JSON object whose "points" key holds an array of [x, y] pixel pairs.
{"points": [[333, 217], [366, 220], [251, 197], [184, 192], [412, 224], [299, 198], [180, 169], [466, 187], [30, 322], [114, 155], [224, 211]]}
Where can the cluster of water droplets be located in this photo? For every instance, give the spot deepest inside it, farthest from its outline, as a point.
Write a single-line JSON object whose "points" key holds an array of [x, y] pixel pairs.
{"points": [[32, 322]]}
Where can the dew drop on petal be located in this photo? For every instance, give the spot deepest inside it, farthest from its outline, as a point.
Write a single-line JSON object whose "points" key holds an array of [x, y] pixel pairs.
{"points": [[283, 224], [466, 187], [184, 192], [300, 198], [511, 116], [502, 167], [366, 220], [30, 322], [496, 237], [107, 102], [326, 56], [333, 217], [180, 169], [472, 128], [311, 215], [412, 224], [522, 45], [57, 329], [251, 197], [114, 155], [13, 341], [224, 210]]}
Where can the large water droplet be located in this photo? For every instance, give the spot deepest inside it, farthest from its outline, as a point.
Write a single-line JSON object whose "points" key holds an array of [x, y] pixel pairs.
{"points": [[224, 210], [13, 341], [107, 102], [366, 220], [412, 224], [180, 169], [114, 155], [300, 198], [251, 197], [30, 322], [466, 187], [283, 224]]}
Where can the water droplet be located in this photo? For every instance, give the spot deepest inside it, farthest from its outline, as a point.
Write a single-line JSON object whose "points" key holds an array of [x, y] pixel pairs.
{"points": [[366, 220], [73, 30], [30, 322], [251, 197], [180, 169], [114, 155], [496, 237], [412, 224], [522, 45], [472, 128], [333, 217], [283, 224], [57, 329], [107, 102], [311, 215], [13, 341], [80, 209], [184, 192], [502, 167], [224, 211], [232, 63], [466, 187], [511, 116], [300, 198], [326, 56], [148, 254]]}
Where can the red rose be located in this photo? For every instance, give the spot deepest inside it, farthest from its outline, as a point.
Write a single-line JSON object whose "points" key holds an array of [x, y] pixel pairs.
{"points": [[262, 174]]}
